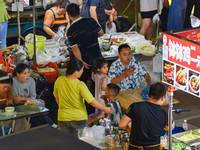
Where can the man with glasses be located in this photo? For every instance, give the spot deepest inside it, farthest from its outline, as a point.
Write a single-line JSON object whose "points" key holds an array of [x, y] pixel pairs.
{"points": [[126, 71]]}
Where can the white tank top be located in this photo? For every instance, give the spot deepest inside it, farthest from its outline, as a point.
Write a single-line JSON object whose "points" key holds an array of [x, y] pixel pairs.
{"points": [[148, 5], [112, 30]]}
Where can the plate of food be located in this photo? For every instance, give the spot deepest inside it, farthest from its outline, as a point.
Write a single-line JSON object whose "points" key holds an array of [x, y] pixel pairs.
{"points": [[194, 83], [181, 79], [169, 70]]}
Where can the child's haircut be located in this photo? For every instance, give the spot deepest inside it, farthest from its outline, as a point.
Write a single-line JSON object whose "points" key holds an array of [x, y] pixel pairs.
{"points": [[99, 62], [157, 90], [113, 88]]}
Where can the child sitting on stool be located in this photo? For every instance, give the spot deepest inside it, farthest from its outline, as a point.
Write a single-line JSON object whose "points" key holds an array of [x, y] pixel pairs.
{"points": [[110, 93]]}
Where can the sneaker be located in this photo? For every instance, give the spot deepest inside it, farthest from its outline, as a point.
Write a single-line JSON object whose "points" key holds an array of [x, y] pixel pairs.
{"points": [[54, 125]]}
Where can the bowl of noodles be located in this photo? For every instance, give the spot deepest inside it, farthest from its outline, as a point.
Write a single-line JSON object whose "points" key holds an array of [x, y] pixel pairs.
{"points": [[194, 83], [181, 79]]}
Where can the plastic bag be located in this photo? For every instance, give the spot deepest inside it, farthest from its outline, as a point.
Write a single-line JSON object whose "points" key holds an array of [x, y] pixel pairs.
{"points": [[195, 22], [42, 57], [98, 131], [145, 93], [34, 104], [30, 38], [87, 132]]}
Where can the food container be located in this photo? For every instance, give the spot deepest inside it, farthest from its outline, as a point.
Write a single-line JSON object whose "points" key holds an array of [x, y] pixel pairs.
{"points": [[39, 44], [111, 140], [105, 46], [186, 136], [197, 130], [52, 75], [35, 105], [195, 144], [145, 47], [9, 109], [178, 146], [98, 131]]}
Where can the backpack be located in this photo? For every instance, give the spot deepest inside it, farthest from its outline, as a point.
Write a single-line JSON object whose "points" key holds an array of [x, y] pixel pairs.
{"points": [[85, 10]]}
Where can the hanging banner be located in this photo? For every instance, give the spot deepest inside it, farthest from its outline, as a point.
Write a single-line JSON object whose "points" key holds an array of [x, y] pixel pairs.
{"points": [[181, 62]]}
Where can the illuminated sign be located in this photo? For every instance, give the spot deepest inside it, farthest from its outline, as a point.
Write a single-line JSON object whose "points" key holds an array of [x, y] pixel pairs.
{"points": [[181, 63]]}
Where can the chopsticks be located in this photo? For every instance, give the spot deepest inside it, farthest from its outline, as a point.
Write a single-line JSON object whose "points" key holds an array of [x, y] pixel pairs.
{"points": [[2, 99], [197, 82], [19, 113]]}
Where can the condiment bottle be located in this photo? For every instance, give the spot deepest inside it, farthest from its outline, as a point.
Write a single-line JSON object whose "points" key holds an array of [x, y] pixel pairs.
{"points": [[185, 125]]}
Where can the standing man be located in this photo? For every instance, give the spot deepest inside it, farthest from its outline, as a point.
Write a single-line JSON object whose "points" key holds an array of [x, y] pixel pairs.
{"points": [[148, 120], [83, 37], [127, 72], [98, 12], [176, 15], [3, 23], [148, 9]]}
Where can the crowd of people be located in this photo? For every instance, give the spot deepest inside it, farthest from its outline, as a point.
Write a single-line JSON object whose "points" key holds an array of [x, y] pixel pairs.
{"points": [[147, 119]]}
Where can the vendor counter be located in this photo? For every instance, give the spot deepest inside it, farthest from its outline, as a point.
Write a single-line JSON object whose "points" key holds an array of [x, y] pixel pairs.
{"points": [[43, 138]]}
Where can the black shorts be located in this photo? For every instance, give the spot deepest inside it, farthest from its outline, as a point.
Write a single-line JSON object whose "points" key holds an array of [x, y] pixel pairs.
{"points": [[148, 14]]}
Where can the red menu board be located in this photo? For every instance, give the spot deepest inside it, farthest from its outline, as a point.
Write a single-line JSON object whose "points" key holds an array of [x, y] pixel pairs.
{"points": [[193, 35], [181, 63]]}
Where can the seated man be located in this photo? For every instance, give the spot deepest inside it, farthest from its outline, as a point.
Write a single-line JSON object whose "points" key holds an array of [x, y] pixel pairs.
{"points": [[110, 93], [126, 71]]}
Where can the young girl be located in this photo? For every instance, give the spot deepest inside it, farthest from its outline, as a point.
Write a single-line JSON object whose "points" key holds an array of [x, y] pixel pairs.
{"points": [[101, 79], [24, 88], [70, 94]]}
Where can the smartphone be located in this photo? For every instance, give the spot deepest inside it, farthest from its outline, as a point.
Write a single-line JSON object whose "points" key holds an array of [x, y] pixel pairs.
{"points": [[131, 67]]}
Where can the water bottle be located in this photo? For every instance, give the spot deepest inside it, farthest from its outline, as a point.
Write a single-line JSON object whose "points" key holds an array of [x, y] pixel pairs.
{"points": [[185, 125]]}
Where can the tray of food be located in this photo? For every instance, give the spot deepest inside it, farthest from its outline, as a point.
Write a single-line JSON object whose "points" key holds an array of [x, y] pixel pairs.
{"points": [[197, 130], [187, 136], [179, 146], [195, 144]]}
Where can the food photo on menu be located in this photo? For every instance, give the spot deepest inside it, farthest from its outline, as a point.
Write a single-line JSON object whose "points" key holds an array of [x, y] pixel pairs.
{"points": [[194, 80], [168, 72], [181, 77]]}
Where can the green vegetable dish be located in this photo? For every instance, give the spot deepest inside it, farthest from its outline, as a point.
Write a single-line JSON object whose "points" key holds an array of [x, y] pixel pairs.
{"points": [[178, 146]]}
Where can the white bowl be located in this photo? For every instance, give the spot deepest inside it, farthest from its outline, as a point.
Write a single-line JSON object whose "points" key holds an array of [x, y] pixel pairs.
{"points": [[9, 109], [105, 46], [179, 86], [193, 76]]}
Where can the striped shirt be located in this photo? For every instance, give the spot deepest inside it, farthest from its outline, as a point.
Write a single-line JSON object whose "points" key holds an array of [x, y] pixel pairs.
{"points": [[83, 32], [116, 115]]}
